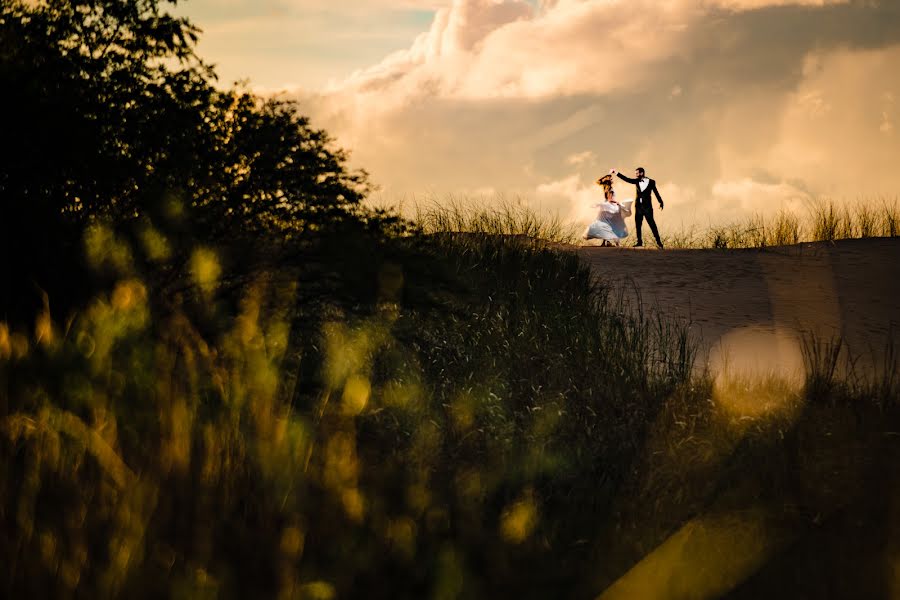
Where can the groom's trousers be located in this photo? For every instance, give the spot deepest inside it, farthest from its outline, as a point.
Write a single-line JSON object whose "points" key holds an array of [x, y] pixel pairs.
{"points": [[639, 216]]}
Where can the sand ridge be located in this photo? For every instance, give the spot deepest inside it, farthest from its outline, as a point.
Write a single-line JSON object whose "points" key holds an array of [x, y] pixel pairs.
{"points": [[848, 288]]}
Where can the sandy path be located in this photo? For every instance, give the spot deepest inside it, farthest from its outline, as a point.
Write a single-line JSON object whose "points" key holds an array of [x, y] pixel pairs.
{"points": [[764, 300]]}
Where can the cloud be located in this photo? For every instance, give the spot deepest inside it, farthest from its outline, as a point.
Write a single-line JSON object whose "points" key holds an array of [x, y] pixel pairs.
{"points": [[757, 4], [731, 105], [570, 198], [479, 49], [842, 152], [747, 195], [581, 158], [302, 43], [482, 49]]}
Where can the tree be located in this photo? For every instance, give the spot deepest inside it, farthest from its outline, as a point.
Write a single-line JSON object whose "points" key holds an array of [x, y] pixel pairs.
{"points": [[109, 114]]}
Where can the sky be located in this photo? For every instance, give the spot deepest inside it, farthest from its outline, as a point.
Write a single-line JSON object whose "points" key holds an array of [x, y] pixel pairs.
{"points": [[735, 107]]}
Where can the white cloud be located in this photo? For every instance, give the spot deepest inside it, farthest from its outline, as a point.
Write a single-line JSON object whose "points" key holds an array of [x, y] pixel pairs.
{"points": [[505, 49], [581, 158], [481, 49], [732, 106], [570, 198]]}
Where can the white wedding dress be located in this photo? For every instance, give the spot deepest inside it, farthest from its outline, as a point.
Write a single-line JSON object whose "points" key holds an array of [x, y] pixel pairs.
{"points": [[610, 224]]}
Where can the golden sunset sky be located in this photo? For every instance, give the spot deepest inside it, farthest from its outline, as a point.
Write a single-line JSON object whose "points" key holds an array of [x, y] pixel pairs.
{"points": [[733, 106]]}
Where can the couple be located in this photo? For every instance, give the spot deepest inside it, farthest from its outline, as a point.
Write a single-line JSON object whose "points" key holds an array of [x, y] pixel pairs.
{"points": [[610, 224]]}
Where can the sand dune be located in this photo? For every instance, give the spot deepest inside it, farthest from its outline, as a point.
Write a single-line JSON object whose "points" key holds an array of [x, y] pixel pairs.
{"points": [[764, 301]]}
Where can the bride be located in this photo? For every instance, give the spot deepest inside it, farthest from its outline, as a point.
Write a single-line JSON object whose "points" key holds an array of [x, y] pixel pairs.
{"points": [[610, 223]]}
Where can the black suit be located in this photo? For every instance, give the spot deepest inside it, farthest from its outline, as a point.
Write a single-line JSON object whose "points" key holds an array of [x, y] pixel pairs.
{"points": [[644, 206]]}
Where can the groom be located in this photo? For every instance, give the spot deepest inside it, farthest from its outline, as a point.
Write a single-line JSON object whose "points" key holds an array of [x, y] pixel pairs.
{"points": [[644, 186]]}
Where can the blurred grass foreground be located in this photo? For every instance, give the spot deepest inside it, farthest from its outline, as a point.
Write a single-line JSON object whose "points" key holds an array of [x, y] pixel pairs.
{"points": [[222, 376]]}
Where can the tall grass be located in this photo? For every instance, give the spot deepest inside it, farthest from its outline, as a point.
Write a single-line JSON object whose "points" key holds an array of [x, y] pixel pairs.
{"points": [[833, 373], [824, 221], [441, 421], [891, 219], [478, 418], [822, 359], [502, 218]]}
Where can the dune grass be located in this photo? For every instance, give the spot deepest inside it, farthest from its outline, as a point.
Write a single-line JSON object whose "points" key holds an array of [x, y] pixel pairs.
{"points": [[460, 416], [246, 440], [502, 218], [823, 221]]}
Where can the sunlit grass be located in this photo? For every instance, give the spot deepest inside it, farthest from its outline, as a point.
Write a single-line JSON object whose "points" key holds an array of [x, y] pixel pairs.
{"points": [[821, 221], [500, 218]]}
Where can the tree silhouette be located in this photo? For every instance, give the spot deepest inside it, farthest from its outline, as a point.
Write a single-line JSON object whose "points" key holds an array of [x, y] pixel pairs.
{"points": [[109, 114]]}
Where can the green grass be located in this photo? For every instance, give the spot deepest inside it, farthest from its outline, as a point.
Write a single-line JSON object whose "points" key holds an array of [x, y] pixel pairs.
{"points": [[466, 413]]}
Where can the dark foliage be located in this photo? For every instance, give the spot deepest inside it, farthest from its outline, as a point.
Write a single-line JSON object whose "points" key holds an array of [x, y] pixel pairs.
{"points": [[108, 114]]}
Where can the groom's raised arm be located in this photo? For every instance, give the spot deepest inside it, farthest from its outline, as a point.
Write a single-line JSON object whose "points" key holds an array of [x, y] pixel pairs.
{"points": [[628, 179]]}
